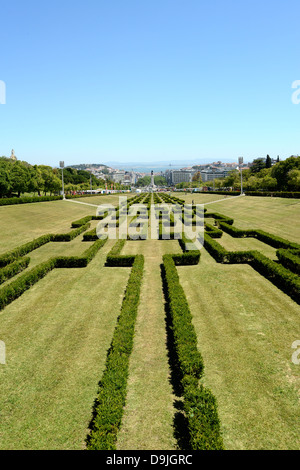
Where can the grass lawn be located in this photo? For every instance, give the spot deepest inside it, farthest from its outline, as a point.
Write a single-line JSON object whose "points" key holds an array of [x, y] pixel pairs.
{"points": [[57, 335], [245, 328], [22, 223]]}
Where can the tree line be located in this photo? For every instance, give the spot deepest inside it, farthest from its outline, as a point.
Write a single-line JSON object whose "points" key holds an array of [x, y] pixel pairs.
{"points": [[19, 177], [263, 174]]}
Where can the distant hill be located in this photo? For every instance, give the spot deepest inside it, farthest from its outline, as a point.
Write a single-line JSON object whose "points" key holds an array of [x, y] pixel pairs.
{"points": [[84, 166]]}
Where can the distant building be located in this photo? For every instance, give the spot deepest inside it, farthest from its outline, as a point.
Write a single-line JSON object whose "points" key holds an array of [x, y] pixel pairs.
{"points": [[210, 175], [181, 176]]}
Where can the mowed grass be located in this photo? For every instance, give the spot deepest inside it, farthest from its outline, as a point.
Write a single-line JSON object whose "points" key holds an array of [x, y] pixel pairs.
{"points": [[245, 328], [22, 223], [280, 216], [57, 335]]}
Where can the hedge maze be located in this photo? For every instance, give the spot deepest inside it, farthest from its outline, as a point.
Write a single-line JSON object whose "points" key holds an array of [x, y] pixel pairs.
{"points": [[199, 404]]}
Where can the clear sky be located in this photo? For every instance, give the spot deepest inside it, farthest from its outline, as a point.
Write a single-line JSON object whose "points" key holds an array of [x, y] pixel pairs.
{"points": [[149, 80]]}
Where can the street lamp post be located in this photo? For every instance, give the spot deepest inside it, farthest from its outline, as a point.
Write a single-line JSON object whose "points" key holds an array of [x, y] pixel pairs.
{"points": [[62, 165], [241, 160]]}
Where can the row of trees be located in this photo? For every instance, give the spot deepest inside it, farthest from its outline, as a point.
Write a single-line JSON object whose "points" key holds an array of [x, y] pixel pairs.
{"points": [[282, 176], [146, 180], [17, 177], [262, 175]]}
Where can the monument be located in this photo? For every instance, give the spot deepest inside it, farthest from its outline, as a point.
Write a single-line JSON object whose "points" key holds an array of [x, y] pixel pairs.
{"points": [[13, 157]]}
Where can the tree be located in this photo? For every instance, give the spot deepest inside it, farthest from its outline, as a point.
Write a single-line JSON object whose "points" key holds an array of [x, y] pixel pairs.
{"points": [[145, 181], [232, 180], [257, 165], [160, 181], [5, 182], [197, 178], [281, 170], [269, 183], [268, 162], [294, 180], [20, 177], [253, 183]]}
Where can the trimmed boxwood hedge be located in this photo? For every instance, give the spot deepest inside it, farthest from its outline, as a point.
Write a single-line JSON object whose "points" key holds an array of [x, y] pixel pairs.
{"points": [[113, 386], [67, 237], [221, 217], [16, 288], [283, 278], [22, 250], [212, 231], [265, 237], [27, 200], [199, 404], [80, 222], [115, 259], [12, 269], [290, 259]]}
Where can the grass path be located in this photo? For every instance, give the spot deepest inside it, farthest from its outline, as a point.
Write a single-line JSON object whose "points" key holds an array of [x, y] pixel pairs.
{"points": [[149, 412]]}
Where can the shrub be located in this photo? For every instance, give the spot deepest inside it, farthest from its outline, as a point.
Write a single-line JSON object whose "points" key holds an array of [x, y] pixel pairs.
{"points": [[16, 288], [83, 221], [67, 237], [27, 200], [199, 404], [83, 260], [290, 259], [115, 259], [113, 386], [22, 250], [90, 236], [190, 360], [12, 269], [212, 231]]}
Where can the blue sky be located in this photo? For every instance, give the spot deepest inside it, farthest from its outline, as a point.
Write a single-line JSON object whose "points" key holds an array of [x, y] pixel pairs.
{"points": [[140, 81]]}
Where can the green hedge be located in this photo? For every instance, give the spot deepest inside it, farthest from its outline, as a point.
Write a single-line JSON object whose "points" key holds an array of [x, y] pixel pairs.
{"points": [[190, 360], [265, 237], [115, 259], [187, 259], [283, 278], [27, 200], [280, 276], [67, 237], [12, 269], [199, 404], [290, 259], [221, 217], [288, 194], [22, 250], [113, 386], [212, 231], [83, 260], [83, 221], [16, 288], [90, 236]]}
